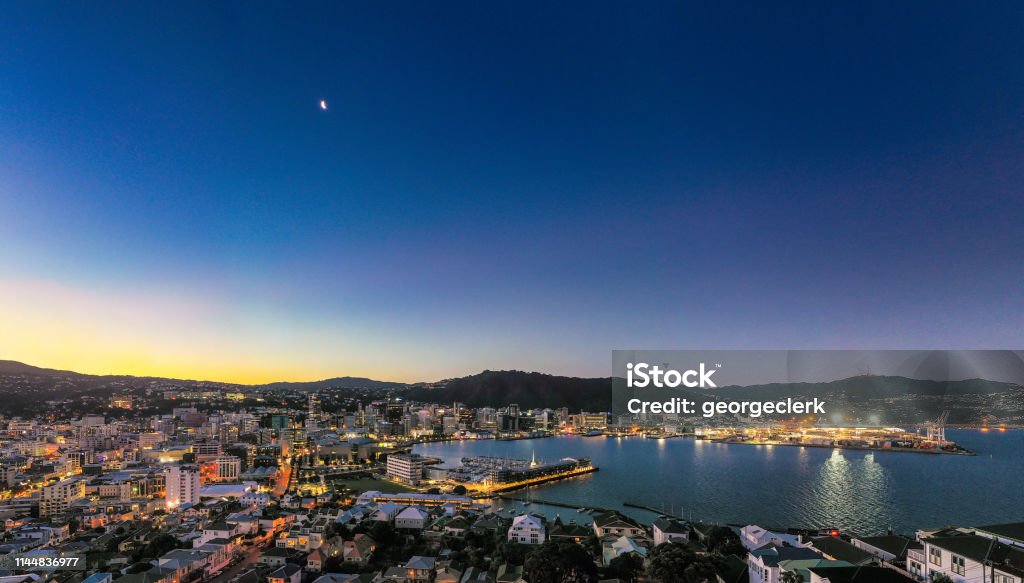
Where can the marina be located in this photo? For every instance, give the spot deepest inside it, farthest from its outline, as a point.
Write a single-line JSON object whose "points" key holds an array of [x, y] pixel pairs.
{"points": [[799, 486]]}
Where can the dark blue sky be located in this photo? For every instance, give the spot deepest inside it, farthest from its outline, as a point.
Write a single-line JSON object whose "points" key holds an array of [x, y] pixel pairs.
{"points": [[504, 185]]}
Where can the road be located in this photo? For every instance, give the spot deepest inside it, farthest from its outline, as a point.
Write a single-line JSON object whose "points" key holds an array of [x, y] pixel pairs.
{"points": [[247, 561], [284, 479]]}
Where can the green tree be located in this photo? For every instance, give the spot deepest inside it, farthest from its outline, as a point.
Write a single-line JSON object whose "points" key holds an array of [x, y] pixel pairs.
{"points": [[510, 552], [559, 562], [626, 567], [724, 541], [674, 563], [791, 577]]}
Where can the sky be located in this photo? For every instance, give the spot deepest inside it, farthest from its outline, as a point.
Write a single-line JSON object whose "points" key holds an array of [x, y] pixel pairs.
{"points": [[520, 185]]}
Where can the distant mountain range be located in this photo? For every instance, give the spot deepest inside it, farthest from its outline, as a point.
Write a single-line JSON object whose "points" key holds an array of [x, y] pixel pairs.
{"points": [[335, 383], [527, 389], [895, 399]]}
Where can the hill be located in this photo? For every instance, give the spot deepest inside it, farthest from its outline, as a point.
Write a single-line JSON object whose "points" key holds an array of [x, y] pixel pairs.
{"points": [[335, 383], [527, 389]]}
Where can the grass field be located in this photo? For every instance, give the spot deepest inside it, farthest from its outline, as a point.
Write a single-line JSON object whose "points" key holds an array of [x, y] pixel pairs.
{"points": [[364, 484]]}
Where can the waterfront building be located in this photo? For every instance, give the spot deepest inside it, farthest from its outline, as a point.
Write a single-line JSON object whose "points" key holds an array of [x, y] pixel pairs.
{"points": [[406, 468], [753, 537], [415, 499]]}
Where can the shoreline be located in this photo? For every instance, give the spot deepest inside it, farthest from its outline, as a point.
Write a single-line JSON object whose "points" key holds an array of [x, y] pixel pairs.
{"points": [[542, 480], [965, 452]]}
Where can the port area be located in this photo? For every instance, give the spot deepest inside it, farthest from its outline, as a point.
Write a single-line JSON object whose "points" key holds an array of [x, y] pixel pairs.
{"points": [[488, 490], [485, 476], [893, 440]]}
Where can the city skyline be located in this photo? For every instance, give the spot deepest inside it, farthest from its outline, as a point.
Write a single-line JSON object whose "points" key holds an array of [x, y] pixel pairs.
{"points": [[491, 189]]}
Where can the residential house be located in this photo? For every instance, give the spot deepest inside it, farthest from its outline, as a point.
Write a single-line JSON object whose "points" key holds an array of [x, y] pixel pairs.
{"points": [[763, 563], [315, 561], [618, 524], [412, 518], [570, 532], [754, 537], [358, 550], [456, 527], [527, 529], [448, 574], [836, 549], [970, 557], [853, 574], [386, 512], [890, 548], [1011, 533], [613, 547], [475, 575], [670, 530], [420, 569], [289, 573]]}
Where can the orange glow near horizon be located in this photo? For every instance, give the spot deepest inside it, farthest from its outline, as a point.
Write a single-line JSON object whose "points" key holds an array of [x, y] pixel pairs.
{"points": [[198, 337]]}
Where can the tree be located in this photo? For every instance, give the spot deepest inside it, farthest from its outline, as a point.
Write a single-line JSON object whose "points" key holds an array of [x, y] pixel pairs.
{"points": [[157, 546], [724, 541], [674, 563], [459, 490], [510, 552], [559, 562], [791, 577], [626, 567]]}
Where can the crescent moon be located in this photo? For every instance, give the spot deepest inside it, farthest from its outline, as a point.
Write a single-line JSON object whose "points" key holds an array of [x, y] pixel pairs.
{"points": [[323, 104]]}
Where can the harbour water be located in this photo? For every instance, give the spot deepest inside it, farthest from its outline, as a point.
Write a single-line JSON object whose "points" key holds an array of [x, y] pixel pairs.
{"points": [[777, 486]]}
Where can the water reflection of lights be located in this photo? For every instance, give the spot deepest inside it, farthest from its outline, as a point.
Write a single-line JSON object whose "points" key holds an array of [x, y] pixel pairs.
{"points": [[848, 492]]}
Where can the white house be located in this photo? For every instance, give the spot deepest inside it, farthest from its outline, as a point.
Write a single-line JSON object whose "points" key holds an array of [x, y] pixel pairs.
{"points": [[669, 530], [755, 537], [527, 529], [412, 518], [386, 512], [612, 548], [969, 557], [763, 563]]}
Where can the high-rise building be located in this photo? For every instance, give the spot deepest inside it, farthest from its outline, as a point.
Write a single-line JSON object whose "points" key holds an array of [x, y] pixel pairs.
{"points": [[57, 498], [406, 468], [228, 468], [182, 485], [313, 417]]}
